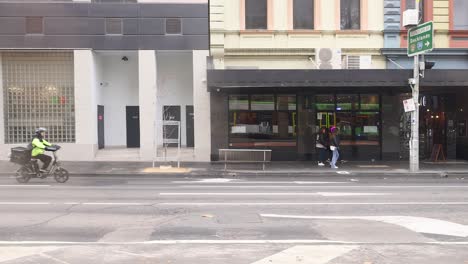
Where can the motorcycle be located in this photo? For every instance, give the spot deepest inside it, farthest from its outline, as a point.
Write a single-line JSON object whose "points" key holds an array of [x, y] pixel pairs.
{"points": [[29, 166]]}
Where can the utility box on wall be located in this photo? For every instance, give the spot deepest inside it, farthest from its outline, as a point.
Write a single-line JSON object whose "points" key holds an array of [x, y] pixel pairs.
{"points": [[410, 17]]}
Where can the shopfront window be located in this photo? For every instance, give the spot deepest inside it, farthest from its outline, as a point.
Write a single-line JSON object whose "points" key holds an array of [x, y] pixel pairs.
{"points": [[346, 102], [270, 121], [369, 102], [325, 102], [263, 102], [367, 128], [357, 117], [238, 102], [286, 102]]}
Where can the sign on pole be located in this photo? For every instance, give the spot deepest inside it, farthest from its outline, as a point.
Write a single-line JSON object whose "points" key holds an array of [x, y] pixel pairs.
{"points": [[421, 39], [409, 105]]}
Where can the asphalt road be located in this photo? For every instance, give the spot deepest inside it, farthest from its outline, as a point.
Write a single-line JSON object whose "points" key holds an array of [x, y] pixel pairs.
{"points": [[316, 220]]}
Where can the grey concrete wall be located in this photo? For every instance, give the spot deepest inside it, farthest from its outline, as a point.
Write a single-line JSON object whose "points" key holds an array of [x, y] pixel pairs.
{"points": [[82, 25]]}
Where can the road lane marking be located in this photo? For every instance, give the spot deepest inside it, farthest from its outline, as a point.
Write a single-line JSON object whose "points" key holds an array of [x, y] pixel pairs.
{"points": [[343, 172], [416, 224], [232, 204], [24, 185], [25, 203], [87, 203], [44, 255], [70, 203], [302, 204], [326, 194], [321, 186], [307, 254], [7, 254], [214, 242], [263, 182]]}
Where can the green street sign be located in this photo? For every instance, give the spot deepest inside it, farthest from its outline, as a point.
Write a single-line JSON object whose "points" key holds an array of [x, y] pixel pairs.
{"points": [[421, 39]]}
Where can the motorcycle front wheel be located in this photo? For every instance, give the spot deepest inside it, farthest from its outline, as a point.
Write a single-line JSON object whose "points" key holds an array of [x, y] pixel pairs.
{"points": [[61, 175], [23, 175]]}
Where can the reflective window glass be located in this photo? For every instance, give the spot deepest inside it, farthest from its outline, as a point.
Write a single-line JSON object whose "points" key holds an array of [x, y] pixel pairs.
{"points": [[238, 102], [256, 14], [460, 17], [303, 14], [263, 102], [370, 102], [325, 102], [350, 14], [346, 102], [286, 102]]}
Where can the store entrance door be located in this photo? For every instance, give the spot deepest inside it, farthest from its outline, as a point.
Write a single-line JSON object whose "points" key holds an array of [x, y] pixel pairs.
{"points": [[326, 119]]}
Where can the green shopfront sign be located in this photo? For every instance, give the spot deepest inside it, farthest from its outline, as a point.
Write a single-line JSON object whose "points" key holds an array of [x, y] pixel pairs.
{"points": [[420, 39]]}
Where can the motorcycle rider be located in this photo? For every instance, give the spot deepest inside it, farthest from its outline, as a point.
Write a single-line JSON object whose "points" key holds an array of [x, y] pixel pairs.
{"points": [[39, 145]]}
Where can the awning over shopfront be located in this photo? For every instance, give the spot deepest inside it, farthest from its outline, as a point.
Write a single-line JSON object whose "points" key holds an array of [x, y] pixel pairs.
{"points": [[287, 80]]}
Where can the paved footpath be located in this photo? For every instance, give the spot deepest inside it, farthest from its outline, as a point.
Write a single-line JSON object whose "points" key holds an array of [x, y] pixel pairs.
{"points": [[206, 169], [318, 220]]}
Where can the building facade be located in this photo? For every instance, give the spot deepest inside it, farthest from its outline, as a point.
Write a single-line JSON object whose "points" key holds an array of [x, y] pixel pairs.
{"points": [[281, 69], [103, 75], [443, 107]]}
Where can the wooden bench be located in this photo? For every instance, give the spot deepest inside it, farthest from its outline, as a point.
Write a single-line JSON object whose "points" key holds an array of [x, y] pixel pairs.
{"points": [[244, 156]]}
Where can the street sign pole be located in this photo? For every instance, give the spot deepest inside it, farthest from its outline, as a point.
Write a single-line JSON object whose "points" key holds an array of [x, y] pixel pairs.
{"points": [[414, 146], [420, 41]]}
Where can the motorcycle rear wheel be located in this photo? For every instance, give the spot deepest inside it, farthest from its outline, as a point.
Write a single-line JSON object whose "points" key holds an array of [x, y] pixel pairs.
{"points": [[61, 175], [23, 176]]}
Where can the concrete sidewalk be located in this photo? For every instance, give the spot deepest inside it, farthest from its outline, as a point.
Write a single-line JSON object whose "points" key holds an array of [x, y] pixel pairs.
{"points": [[274, 168]]}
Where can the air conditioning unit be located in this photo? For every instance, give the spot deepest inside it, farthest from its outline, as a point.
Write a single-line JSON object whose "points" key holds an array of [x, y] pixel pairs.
{"points": [[410, 17], [357, 62], [328, 59]]}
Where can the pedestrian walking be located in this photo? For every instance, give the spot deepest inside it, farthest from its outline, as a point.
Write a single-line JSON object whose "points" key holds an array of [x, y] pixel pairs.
{"points": [[334, 146], [322, 145]]}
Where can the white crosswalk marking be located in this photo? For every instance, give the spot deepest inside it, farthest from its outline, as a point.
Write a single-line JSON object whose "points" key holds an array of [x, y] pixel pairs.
{"points": [[326, 194], [307, 254], [416, 224], [11, 253]]}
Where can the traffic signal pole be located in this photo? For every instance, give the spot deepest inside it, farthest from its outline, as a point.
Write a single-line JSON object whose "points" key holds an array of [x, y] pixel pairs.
{"points": [[414, 146]]}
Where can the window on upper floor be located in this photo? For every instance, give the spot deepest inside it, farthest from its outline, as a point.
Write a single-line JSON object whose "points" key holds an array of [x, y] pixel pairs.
{"points": [[256, 14], [350, 14], [460, 15], [303, 13]]}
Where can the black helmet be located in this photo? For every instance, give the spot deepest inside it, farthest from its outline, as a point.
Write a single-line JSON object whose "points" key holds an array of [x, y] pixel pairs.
{"points": [[40, 130]]}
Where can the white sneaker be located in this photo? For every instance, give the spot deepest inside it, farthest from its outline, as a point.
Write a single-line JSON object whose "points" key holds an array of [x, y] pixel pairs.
{"points": [[334, 167], [321, 164]]}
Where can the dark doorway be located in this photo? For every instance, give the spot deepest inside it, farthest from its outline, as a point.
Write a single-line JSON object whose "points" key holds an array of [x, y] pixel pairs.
{"points": [[100, 117], [171, 113], [133, 126], [190, 126]]}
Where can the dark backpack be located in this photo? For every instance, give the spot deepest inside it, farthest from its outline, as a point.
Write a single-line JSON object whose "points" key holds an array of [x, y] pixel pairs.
{"points": [[30, 146]]}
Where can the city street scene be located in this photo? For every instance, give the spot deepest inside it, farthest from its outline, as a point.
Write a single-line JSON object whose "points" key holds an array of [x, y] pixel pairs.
{"points": [[234, 131]]}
